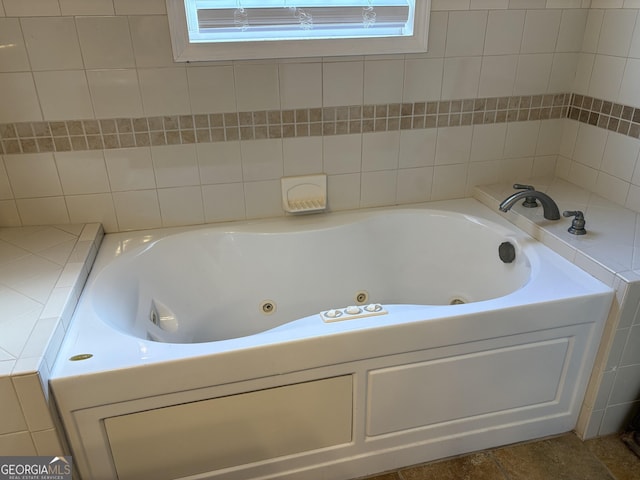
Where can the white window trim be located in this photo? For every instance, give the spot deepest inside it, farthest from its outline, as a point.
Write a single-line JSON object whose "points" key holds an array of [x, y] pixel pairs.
{"points": [[184, 51]]}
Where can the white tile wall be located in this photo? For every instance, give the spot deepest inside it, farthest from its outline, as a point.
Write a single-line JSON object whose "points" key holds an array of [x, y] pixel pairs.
{"points": [[101, 59]]}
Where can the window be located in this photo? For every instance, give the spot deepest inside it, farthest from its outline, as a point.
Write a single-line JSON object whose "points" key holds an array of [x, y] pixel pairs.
{"points": [[248, 29]]}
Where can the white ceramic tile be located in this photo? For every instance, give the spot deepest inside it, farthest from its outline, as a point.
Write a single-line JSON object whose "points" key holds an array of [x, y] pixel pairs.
{"points": [[521, 139], [9, 214], [514, 169], [31, 8], [380, 151], [583, 73], [219, 162], [342, 154], [211, 89], [343, 191], [616, 32], [453, 145], [571, 32], [82, 172], [504, 32], [32, 401], [449, 181], [498, 75], [590, 145], [302, 155], [620, 156], [257, 86], [437, 34], [5, 187], [22, 313], [165, 91], [52, 43], [181, 206], [130, 169], [19, 443], [262, 160], [151, 40], [488, 142], [139, 7], [33, 175], [592, 31], [13, 55], [342, 83], [414, 185], [263, 199], [300, 85], [606, 77], [540, 31], [611, 188], [47, 442], [634, 49], [223, 202], [39, 337], [626, 386], [583, 175], [461, 77], [64, 95], [86, 7], [483, 173], [550, 137], [532, 76], [422, 79], [616, 418], [383, 81], [629, 93], [466, 33], [175, 165], [105, 42], [417, 148], [11, 419], [18, 98], [378, 188], [137, 209], [42, 211], [563, 72], [115, 93]]}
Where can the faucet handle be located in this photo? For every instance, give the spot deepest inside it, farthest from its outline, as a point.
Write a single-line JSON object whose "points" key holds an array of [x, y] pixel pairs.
{"points": [[578, 223], [529, 202]]}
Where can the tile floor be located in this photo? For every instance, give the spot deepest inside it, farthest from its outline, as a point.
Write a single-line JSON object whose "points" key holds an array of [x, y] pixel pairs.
{"points": [[564, 457]]}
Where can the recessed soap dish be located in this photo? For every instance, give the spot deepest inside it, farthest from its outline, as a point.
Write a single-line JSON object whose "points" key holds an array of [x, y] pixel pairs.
{"points": [[304, 194]]}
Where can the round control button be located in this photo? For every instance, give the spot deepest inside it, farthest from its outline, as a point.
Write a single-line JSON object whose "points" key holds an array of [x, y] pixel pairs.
{"points": [[352, 310], [333, 313], [373, 307]]}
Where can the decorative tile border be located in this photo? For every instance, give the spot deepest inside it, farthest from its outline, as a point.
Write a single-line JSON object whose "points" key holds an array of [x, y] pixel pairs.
{"points": [[604, 114], [82, 135]]}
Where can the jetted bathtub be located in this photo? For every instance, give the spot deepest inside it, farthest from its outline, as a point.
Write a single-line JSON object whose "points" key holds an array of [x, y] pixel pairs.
{"points": [[330, 346]]}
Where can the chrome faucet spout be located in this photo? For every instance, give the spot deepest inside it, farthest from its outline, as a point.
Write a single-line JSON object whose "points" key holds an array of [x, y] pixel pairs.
{"points": [[551, 211]]}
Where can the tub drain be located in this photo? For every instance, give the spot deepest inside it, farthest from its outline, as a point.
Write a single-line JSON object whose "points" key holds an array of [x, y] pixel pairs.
{"points": [[268, 307], [457, 301]]}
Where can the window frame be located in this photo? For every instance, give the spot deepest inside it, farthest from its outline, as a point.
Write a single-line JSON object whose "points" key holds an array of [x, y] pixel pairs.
{"points": [[184, 51]]}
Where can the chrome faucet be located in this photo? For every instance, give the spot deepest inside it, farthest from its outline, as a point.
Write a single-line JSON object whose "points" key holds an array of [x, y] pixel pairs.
{"points": [[551, 211]]}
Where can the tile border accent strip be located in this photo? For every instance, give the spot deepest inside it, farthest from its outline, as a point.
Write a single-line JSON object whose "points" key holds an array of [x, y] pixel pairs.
{"points": [[82, 135], [611, 116]]}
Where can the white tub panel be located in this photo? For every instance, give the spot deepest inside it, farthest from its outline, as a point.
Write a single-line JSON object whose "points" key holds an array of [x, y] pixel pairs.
{"points": [[456, 388], [213, 434]]}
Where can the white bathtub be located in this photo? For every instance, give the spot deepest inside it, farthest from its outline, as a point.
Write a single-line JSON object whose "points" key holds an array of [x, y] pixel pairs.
{"points": [[212, 354]]}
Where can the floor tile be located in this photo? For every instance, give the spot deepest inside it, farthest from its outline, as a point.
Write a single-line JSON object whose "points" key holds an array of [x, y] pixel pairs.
{"points": [[612, 452], [476, 466], [559, 458]]}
